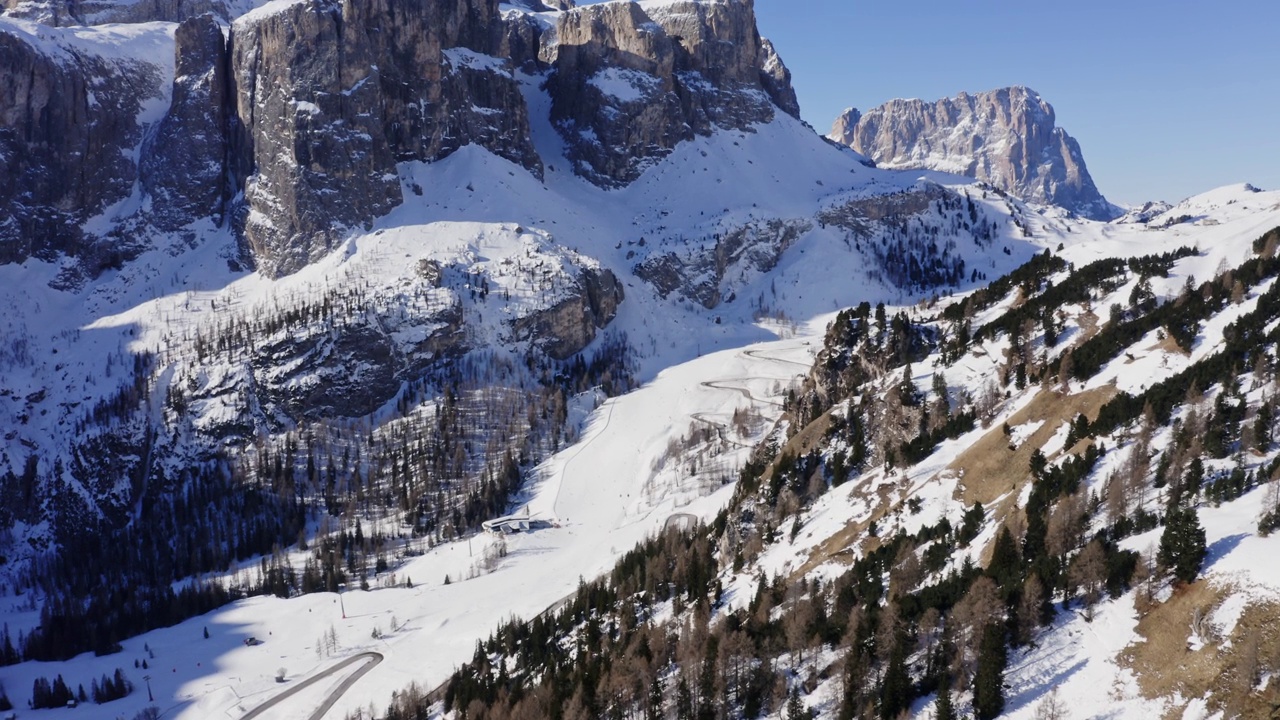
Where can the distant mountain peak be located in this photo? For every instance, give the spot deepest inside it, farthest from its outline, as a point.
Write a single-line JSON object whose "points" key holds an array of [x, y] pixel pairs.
{"points": [[1007, 137]]}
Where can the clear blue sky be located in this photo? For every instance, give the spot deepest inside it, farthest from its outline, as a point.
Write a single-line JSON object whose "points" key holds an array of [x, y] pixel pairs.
{"points": [[1168, 99]]}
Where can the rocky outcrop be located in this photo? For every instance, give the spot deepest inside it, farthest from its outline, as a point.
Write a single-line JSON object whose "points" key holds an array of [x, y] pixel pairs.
{"points": [[349, 371], [699, 274], [330, 97], [566, 328], [69, 131], [184, 165], [631, 81], [1005, 137]]}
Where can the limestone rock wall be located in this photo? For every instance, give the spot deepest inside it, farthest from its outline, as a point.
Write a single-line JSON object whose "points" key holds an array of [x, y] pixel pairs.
{"points": [[1007, 137], [289, 122]]}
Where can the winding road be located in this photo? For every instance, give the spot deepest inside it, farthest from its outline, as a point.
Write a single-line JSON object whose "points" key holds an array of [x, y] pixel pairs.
{"points": [[333, 697], [726, 384], [759, 355]]}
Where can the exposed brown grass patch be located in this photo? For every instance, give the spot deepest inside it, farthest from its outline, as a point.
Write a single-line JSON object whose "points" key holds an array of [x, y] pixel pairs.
{"points": [[1171, 346], [1088, 324], [1224, 669], [837, 547], [1162, 661], [989, 468], [810, 437]]}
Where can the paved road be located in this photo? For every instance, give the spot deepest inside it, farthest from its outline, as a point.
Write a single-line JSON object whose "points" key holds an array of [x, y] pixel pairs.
{"points": [[684, 520], [333, 696]]}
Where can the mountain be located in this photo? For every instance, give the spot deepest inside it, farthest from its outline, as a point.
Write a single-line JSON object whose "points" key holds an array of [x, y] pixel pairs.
{"points": [[1006, 137], [1144, 213], [304, 102], [298, 295], [318, 267]]}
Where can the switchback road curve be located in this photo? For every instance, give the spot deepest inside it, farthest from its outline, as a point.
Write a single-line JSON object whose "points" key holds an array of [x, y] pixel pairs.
{"points": [[333, 697]]}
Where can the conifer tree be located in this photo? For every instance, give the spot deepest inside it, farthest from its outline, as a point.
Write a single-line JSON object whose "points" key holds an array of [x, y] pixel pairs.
{"points": [[795, 707], [1006, 565], [1182, 545], [684, 701], [945, 710], [653, 710], [895, 692], [988, 681]]}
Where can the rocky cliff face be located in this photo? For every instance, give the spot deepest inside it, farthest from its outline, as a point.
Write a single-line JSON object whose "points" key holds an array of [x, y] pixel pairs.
{"points": [[567, 328], [69, 128], [631, 80], [291, 124], [184, 164], [98, 12], [1006, 137], [700, 273]]}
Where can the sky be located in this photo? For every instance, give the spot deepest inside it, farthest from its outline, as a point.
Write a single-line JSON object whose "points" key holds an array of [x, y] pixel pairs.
{"points": [[1167, 99]]}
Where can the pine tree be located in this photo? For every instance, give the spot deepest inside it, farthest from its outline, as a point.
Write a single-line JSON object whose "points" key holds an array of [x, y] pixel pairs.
{"points": [[684, 700], [988, 681], [1006, 565], [8, 655], [895, 691], [653, 711], [1182, 545], [795, 707], [1262, 427], [945, 710]]}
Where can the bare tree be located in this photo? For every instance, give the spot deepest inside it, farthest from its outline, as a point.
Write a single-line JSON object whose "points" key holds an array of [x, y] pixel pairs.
{"points": [[906, 572], [796, 625], [1117, 498], [1139, 462], [1029, 607], [1066, 524], [1065, 369], [1089, 573], [1052, 707], [988, 400], [980, 607]]}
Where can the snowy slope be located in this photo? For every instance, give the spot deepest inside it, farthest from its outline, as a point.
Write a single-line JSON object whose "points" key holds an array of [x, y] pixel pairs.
{"points": [[730, 180], [1088, 658]]}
